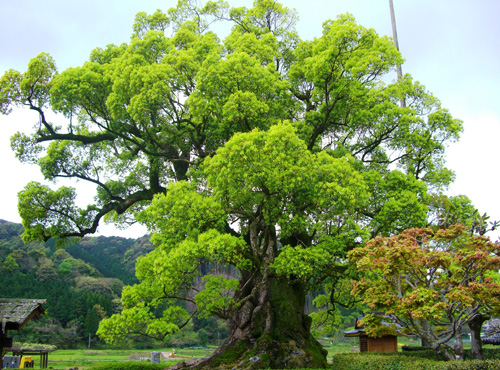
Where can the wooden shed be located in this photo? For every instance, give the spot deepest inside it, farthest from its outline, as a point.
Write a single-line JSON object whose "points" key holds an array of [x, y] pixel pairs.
{"points": [[385, 343], [15, 313]]}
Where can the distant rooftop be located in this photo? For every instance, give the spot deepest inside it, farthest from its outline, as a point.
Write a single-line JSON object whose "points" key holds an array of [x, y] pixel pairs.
{"points": [[16, 312]]}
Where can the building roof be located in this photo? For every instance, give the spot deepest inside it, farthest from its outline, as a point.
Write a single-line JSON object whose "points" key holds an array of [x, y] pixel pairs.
{"points": [[16, 312], [354, 333], [359, 329]]}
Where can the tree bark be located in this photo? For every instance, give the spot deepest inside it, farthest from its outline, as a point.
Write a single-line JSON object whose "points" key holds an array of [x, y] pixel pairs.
{"points": [[426, 328], [447, 352], [459, 347], [269, 330], [475, 326]]}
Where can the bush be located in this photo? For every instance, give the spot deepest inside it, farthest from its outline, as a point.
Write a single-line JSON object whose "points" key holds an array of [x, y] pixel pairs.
{"points": [[426, 352], [474, 365], [407, 361], [407, 348], [131, 366], [384, 361], [488, 353], [34, 346]]}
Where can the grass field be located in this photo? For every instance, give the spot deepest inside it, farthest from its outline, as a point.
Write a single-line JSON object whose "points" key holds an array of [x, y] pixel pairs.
{"points": [[86, 359]]}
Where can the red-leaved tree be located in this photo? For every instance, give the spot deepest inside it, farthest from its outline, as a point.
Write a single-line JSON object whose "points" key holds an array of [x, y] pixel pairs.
{"points": [[434, 282]]}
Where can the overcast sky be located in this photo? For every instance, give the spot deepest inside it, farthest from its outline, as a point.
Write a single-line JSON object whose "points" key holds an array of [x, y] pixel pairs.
{"points": [[451, 46]]}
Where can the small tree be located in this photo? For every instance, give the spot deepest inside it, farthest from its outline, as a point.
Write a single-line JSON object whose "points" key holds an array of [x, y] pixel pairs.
{"points": [[91, 323], [434, 282], [10, 265]]}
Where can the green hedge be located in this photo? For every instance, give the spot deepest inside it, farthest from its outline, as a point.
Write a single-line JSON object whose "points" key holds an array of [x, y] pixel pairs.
{"points": [[489, 353], [132, 366], [404, 361]]}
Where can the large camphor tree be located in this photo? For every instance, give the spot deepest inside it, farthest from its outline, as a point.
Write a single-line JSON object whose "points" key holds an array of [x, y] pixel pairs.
{"points": [[263, 152]]}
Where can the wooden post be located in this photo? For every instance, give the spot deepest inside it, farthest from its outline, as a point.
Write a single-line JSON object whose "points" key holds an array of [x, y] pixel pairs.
{"points": [[44, 360], [3, 334], [1, 348]]}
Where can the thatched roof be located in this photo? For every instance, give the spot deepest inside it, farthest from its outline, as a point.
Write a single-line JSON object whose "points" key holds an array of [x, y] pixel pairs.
{"points": [[359, 329], [16, 312], [492, 339]]}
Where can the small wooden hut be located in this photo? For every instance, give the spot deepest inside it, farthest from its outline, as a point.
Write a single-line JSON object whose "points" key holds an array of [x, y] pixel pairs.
{"points": [[385, 343], [14, 315]]}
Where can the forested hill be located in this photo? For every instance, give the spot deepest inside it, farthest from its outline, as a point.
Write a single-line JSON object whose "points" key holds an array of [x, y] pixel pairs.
{"points": [[81, 282], [109, 257]]}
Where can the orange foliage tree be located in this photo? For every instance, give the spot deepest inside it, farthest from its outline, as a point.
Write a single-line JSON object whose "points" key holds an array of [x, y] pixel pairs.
{"points": [[434, 282]]}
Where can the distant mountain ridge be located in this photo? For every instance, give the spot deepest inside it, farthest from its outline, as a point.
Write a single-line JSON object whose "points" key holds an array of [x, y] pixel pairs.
{"points": [[112, 257]]}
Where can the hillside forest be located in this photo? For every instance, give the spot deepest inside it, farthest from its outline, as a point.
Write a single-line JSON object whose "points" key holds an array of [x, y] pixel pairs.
{"points": [[82, 283]]}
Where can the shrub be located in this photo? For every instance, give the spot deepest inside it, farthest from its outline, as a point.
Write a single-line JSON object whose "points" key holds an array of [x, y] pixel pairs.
{"points": [[407, 361], [426, 352], [488, 353], [407, 348], [131, 366]]}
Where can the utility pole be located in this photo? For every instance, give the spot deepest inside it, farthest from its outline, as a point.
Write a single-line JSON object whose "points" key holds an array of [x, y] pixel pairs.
{"points": [[395, 37]]}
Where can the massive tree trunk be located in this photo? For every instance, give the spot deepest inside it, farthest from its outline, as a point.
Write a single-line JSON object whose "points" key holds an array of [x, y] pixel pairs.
{"points": [[269, 330], [475, 326]]}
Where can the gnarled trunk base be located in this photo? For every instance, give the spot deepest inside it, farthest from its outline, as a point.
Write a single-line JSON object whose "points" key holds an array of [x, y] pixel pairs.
{"points": [[270, 330], [475, 326]]}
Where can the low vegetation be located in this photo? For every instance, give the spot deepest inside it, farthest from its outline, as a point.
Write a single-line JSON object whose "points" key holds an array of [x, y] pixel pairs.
{"points": [[340, 356], [424, 360], [120, 359]]}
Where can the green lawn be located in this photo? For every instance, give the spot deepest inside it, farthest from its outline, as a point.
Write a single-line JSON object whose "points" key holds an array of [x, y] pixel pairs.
{"points": [[83, 359], [65, 359]]}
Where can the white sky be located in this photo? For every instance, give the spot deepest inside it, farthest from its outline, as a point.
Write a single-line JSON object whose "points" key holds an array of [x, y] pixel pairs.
{"points": [[451, 46]]}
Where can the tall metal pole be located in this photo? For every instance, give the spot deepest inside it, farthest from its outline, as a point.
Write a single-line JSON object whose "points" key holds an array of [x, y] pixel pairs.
{"points": [[395, 36]]}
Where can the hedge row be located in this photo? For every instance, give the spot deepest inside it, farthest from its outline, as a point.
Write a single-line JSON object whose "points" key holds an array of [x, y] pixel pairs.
{"points": [[401, 361], [488, 353], [131, 366]]}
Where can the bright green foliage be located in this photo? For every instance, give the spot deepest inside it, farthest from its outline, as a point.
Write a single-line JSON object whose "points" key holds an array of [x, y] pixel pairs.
{"points": [[39, 206], [445, 211], [259, 179], [10, 264], [217, 296], [440, 277], [141, 114]]}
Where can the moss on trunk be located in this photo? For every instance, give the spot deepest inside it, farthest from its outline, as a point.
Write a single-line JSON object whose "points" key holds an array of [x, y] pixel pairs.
{"points": [[270, 330]]}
